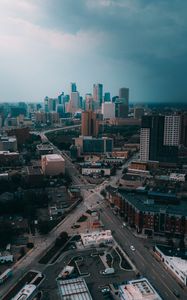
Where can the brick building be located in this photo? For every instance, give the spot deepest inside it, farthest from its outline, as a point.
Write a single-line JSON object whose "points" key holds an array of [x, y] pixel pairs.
{"points": [[149, 216]]}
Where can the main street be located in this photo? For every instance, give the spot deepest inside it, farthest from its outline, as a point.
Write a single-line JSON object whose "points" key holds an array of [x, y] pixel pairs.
{"points": [[142, 257]]}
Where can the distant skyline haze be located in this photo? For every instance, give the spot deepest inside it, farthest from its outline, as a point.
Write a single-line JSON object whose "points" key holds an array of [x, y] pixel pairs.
{"points": [[140, 44]]}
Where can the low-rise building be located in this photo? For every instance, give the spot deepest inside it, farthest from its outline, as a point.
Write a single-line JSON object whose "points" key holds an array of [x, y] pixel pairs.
{"points": [[8, 143], [150, 214], [4, 176], [140, 289], [53, 164], [6, 257], [132, 181], [176, 264], [97, 237], [34, 176], [88, 144], [178, 177], [44, 149], [74, 289], [102, 170], [120, 154], [8, 158]]}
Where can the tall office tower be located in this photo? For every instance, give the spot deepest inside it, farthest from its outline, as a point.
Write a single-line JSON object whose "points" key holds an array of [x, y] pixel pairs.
{"points": [[46, 99], [124, 99], [89, 105], [121, 109], [184, 129], [61, 98], [108, 110], [172, 125], [98, 94], [138, 112], [107, 97], [60, 110], [89, 123], [73, 87], [152, 135], [52, 103], [74, 102], [124, 94]]}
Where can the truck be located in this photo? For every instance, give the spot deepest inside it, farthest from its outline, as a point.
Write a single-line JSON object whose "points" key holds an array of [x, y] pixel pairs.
{"points": [[108, 271]]}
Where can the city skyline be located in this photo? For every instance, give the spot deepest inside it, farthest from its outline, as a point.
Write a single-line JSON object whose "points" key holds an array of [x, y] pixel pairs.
{"points": [[137, 44]]}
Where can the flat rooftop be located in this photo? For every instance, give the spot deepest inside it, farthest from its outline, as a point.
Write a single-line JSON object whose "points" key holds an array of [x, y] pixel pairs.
{"points": [[74, 289], [143, 203], [53, 157], [138, 290]]}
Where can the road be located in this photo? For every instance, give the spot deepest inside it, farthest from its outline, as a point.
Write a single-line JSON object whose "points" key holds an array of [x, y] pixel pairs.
{"points": [[142, 257]]}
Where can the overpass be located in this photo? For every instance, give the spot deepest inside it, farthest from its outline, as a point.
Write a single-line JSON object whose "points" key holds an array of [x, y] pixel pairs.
{"points": [[43, 133]]}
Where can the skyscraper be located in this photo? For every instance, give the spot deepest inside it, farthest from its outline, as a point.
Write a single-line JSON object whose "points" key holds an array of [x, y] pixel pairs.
{"points": [[184, 129], [124, 100], [73, 87], [158, 142], [108, 110], [107, 97], [74, 102], [98, 94], [124, 94], [172, 127], [89, 105], [89, 123]]}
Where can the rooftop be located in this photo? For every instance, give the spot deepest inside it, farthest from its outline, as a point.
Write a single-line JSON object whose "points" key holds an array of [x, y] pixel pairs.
{"points": [[53, 157], [74, 289], [179, 263], [138, 290], [140, 200]]}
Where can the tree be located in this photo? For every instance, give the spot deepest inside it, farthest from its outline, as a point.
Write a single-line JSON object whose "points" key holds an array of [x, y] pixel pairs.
{"points": [[182, 244], [64, 236], [62, 239], [6, 234], [44, 227]]}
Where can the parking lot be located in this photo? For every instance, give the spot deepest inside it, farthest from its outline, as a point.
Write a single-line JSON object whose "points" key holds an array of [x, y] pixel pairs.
{"points": [[87, 263]]}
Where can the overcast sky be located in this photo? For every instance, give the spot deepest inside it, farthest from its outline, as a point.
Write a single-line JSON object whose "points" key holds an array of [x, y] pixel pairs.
{"points": [[140, 44]]}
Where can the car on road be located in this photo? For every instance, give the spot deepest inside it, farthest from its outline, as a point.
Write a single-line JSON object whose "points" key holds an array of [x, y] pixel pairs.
{"points": [[105, 291], [124, 224], [132, 248]]}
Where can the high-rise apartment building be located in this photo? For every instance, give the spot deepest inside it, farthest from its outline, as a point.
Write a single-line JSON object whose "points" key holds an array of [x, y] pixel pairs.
{"points": [[144, 144], [90, 126], [98, 94], [184, 129], [158, 142], [172, 125]]}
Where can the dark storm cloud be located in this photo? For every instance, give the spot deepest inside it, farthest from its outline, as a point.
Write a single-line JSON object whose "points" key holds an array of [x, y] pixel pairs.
{"points": [[138, 43], [149, 33]]}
